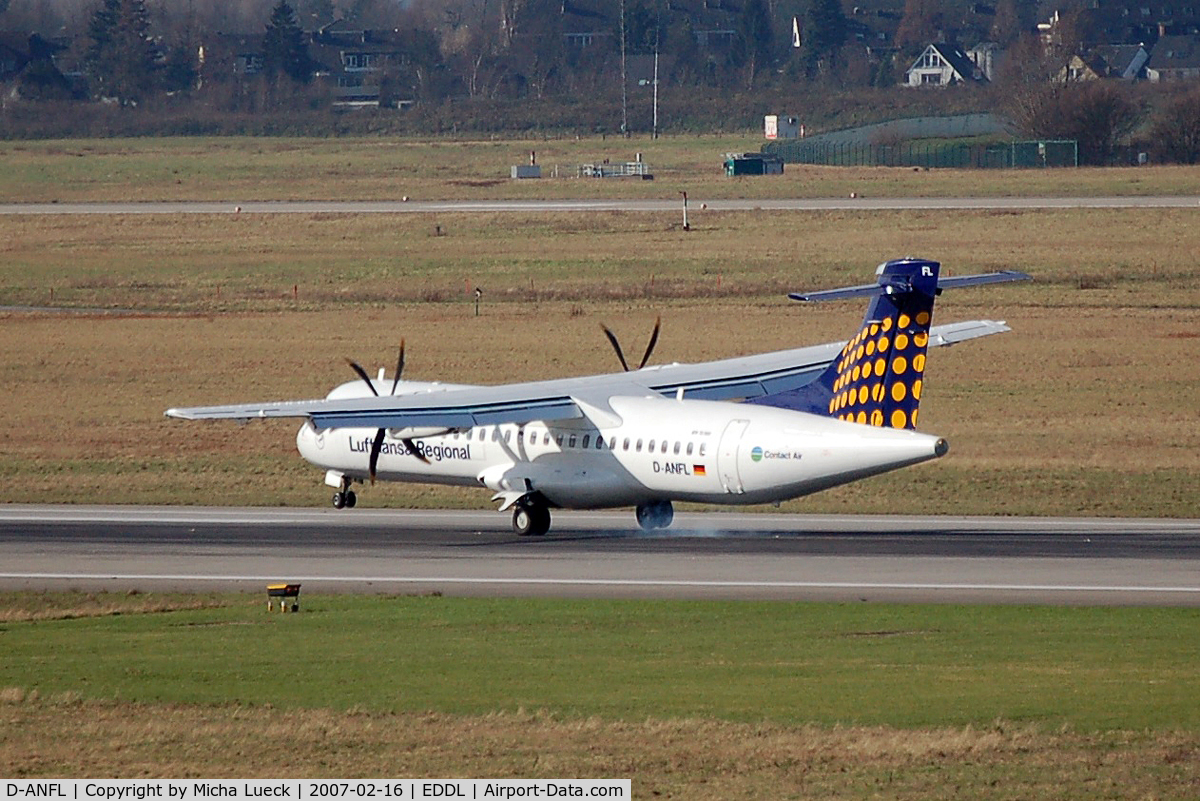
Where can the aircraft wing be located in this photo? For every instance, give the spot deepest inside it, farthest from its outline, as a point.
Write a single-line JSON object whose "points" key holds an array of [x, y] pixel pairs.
{"points": [[563, 399]]}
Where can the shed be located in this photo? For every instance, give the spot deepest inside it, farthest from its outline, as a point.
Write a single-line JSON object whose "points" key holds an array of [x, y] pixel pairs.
{"points": [[752, 164]]}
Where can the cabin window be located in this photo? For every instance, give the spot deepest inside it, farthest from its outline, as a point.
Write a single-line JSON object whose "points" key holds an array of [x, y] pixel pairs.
{"points": [[571, 441], [625, 445], [599, 442], [612, 444], [702, 448], [587, 440], [639, 446], [689, 449], [508, 435], [496, 434], [650, 447], [533, 438], [676, 447], [663, 447], [482, 434], [558, 438], [546, 439]]}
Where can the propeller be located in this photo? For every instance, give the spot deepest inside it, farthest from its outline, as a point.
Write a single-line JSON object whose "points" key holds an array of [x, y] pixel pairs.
{"points": [[612, 339], [377, 443]]}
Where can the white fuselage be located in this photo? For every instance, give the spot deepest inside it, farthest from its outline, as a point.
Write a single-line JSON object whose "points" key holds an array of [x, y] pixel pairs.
{"points": [[636, 450]]}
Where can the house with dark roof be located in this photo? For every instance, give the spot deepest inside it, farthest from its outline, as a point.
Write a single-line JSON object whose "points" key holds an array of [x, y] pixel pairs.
{"points": [[14, 53], [1174, 58], [943, 64]]}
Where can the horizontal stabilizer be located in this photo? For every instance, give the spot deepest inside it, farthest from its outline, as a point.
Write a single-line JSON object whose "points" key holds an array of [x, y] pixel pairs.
{"points": [[944, 282]]}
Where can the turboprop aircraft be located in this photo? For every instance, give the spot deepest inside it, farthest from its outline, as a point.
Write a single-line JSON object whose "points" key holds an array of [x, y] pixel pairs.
{"points": [[748, 430]]}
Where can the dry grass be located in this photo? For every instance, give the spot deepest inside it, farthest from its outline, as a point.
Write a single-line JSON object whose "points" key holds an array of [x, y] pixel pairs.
{"points": [[28, 606], [204, 263], [693, 759]]}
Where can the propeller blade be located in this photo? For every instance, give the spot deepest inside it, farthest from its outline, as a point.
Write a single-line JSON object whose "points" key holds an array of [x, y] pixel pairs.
{"points": [[399, 368], [414, 450], [653, 342], [363, 375], [376, 446], [612, 338]]}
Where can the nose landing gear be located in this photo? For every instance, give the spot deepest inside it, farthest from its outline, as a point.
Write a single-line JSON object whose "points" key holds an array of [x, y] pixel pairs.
{"points": [[344, 498]]}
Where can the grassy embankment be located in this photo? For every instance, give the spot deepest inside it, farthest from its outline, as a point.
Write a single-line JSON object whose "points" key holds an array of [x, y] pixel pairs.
{"points": [[690, 699]]}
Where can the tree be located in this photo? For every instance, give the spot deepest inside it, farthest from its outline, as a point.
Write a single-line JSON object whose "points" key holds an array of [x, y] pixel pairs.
{"points": [[754, 38], [284, 51], [1176, 131], [822, 34], [1096, 114], [122, 59], [920, 24]]}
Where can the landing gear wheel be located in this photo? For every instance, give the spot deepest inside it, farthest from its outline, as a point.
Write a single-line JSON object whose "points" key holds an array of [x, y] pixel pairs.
{"points": [[530, 518], [655, 515], [351, 499], [339, 500]]}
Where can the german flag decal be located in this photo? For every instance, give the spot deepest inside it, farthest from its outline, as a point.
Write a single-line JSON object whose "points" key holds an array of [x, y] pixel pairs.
{"points": [[698, 470]]}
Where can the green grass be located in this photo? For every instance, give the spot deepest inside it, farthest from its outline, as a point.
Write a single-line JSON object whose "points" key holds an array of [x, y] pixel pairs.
{"points": [[786, 663]]}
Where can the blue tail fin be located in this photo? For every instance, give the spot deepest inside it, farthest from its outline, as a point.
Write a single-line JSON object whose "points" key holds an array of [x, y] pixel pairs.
{"points": [[877, 377]]}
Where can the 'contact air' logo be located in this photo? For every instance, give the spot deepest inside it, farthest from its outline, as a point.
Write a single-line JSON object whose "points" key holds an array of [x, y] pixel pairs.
{"points": [[756, 454]]}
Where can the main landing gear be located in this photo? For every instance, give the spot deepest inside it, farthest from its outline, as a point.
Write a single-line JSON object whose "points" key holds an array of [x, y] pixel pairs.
{"points": [[344, 498], [655, 515], [531, 516]]}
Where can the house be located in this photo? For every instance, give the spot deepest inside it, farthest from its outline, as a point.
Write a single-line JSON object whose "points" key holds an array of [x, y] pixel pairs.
{"points": [[1174, 58], [228, 54], [987, 56], [356, 62], [14, 54], [943, 64], [1125, 62], [1115, 62], [1081, 68]]}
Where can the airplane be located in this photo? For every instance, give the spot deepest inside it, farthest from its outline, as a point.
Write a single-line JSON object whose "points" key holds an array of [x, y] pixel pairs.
{"points": [[747, 430]]}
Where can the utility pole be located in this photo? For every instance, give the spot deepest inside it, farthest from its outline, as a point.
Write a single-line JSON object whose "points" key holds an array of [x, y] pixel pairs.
{"points": [[624, 81], [655, 135]]}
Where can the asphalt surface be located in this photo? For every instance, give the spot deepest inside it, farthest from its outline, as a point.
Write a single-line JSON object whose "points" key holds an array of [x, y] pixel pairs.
{"points": [[696, 205], [603, 554]]}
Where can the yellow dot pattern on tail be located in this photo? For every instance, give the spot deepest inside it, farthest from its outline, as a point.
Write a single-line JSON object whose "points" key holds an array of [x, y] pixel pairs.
{"points": [[880, 372]]}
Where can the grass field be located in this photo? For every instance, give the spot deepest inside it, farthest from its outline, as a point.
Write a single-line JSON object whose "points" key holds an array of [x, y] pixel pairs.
{"points": [[691, 699], [240, 169]]}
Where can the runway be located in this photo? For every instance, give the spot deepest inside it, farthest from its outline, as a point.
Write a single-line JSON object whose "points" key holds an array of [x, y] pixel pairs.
{"points": [[602, 554], [697, 205]]}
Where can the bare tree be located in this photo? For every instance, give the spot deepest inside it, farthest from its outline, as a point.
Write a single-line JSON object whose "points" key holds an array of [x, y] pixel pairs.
{"points": [[1176, 130], [1096, 114]]}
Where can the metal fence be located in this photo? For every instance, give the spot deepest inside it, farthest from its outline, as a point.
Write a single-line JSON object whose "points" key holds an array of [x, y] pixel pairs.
{"points": [[1045, 153]]}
